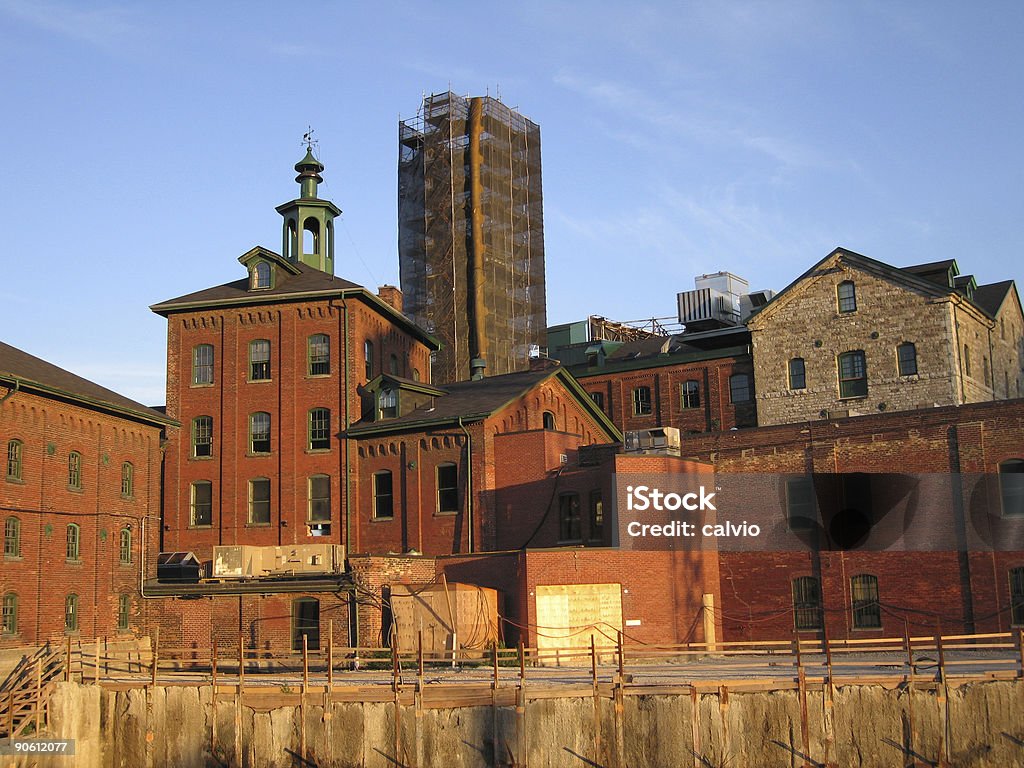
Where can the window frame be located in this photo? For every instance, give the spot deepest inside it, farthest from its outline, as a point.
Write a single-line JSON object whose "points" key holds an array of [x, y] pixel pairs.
{"points": [[75, 471], [808, 615], [262, 276], [846, 300], [260, 437], [9, 614], [866, 609], [1011, 494], [368, 358], [744, 389], [850, 386], [318, 429], [124, 612], [124, 546], [689, 395], [202, 371], [643, 404], [598, 399], [383, 498], [595, 530], [316, 502], [1015, 579], [12, 538], [73, 543], [318, 355], [547, 421], [202, 427], [570, 518], [387, 403], [127, 480], [905, 362], [795, 488], [71, 617], [447, 497], [15, 459], [198, 505], [260, 360], [796, 369], [252, 518]]}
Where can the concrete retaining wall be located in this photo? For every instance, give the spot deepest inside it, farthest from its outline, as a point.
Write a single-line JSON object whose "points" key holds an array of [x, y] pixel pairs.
{"points": [[979, 724]]}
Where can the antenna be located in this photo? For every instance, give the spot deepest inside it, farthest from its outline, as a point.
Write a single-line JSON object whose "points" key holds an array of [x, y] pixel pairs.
{"points": [[309, 141]]}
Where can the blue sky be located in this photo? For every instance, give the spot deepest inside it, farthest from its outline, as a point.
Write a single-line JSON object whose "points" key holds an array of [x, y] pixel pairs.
{"points": [[145, 146]]}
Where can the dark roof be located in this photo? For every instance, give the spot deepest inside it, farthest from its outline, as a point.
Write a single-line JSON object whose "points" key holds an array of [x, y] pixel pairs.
{"points": [[474, 400], [991, 297], [32, 373], [305, 282]]}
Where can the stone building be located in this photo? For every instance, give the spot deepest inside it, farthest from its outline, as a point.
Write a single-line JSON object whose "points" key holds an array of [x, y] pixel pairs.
{"points": [[80, 504], [854, 336]]}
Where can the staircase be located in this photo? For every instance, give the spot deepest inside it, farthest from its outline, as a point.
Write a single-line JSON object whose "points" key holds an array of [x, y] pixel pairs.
{"points": [[23, 695]]}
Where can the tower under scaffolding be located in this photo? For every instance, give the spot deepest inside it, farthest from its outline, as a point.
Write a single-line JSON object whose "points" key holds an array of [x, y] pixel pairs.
{"points": [[471, 233]]}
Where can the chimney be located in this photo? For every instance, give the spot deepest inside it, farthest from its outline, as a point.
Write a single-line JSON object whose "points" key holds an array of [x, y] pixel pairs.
{"points": [[476, 368], [391, 296]]}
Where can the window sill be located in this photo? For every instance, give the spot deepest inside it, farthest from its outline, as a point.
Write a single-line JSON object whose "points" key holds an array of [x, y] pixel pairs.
{"points": [[259, 381], [447, 513], [259, 525], [125, 565], [258, 454], [382, 519], [13, 558], [76, 563], [15, 480], [200, 458], [570, 542], [318, 375], [75, 489], [204, 385], [852, 398], [201, 526], [314, 451], [128, 497]]}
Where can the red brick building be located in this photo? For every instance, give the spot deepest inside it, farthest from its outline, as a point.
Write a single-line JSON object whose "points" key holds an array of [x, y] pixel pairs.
{"points": [[80, 504]]}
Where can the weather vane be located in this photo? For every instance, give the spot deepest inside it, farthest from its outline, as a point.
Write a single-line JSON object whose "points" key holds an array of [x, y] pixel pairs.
{"points": [[308, 140]]}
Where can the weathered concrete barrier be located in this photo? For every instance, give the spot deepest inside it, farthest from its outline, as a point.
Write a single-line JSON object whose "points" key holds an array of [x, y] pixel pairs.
{"points": [[866, 726]]}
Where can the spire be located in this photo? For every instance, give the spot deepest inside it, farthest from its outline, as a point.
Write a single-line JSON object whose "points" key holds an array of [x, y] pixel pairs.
{"points": [[308, 227]]}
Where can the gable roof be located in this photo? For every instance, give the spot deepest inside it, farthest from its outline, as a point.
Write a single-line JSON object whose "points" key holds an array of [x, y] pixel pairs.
{"points": [[300, 281], [29, 373], [470, 401], [991, 297]]}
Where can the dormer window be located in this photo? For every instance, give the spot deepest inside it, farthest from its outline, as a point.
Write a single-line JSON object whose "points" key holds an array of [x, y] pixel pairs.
{"points": [[261, 275], [387, 401]]}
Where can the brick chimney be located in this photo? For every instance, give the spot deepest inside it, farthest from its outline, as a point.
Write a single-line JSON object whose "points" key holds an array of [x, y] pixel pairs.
{"points": [[391, 296]]}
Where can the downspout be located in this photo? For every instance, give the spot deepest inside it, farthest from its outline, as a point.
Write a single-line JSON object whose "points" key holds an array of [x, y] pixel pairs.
{"points": [[353, 626], [9, 395], [469, 482]]}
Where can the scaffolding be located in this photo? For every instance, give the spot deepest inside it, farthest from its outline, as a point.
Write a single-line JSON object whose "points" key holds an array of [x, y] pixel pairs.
{"points": [[471, 232]]}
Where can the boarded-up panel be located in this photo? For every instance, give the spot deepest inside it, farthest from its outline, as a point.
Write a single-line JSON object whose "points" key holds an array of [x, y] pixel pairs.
{"points": [[426, 609], [569, 615]]}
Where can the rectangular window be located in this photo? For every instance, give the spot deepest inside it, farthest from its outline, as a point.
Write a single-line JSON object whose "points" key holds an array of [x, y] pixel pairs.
{"points": [[853, 375], [75, 471], [319, 498], [202, 365], [797, 374], [867, 613], [689, 395], [739, 388], [201, 503], [846, 293], [800, 504], [202, 436], [569, 517], [447, 488], [906, 359], [71, 613], [807, 603], [14, 460], [387, 400], [642, 401], [259, 501], [319, 429], [596, 516], [368, 358], [259, 360], [124, 612], [319, 354], [1011, 487], [127, 480], [12, 537], [383, 498], [10, 614], [598, 398], [74, 542]]}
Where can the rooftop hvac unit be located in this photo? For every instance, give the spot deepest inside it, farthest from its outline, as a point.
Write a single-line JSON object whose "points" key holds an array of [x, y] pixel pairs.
{"points": [[243, 561], [178, 568], [657, 440], [751, 302], [715, 300]]}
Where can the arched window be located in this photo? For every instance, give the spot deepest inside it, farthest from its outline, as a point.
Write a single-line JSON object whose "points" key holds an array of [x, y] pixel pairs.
{"points": [[14, 451], [292, 237], [447, 476], [548, 420], [12, 537], [867, 613], [689, 394], [127, 480], [261, 275], [259, 501], [126, 546], [259, 432], [319, 429], [846, 295], [387, 402], [906, 359], [71, 613], [124, 612], [318, 348], [807, 603], [75, 470], [797, 374], [74, 540], [10, 614], [415, 374], [383, 495], [202, 365], [1017, 596], [1011, 487], [201, 504], [853, 374], [202, 436], [739, 388], [259, 360]]}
